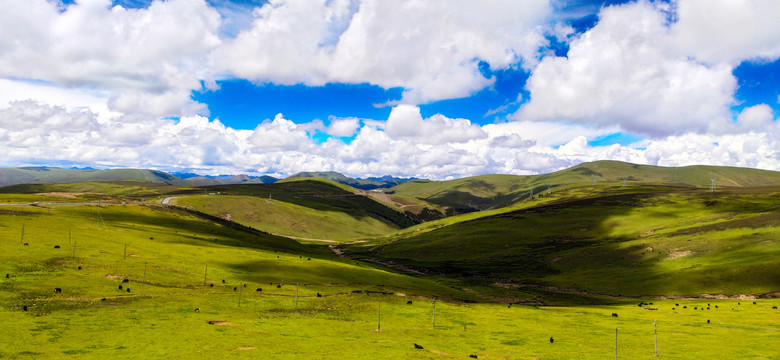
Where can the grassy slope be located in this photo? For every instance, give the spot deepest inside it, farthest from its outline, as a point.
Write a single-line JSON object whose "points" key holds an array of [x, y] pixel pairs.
{"points": [[157, 319], [284, 218], [495, 191], [629, 242], [311, 208], [12, 176]]}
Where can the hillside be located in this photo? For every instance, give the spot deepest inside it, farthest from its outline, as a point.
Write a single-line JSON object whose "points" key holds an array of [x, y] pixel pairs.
{"points": [[496, 191], [643, 240], [307, 208], [49, 175], [363, 184]]}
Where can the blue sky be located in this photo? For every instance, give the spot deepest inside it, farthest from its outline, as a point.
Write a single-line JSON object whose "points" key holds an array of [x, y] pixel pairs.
{"points": [[439, 89]]}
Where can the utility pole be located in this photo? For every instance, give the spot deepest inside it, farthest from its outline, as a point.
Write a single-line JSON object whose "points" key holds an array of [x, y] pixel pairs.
{"points": [[434, 313]]}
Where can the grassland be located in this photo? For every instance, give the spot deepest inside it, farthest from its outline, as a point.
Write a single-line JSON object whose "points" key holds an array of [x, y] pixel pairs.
{"points": [[649, 240], [93, 318]]}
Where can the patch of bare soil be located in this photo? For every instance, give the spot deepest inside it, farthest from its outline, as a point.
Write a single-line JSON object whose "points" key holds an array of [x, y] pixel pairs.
{"points": [[218, 322], [61, 194], [678, 254], [246, 348]]}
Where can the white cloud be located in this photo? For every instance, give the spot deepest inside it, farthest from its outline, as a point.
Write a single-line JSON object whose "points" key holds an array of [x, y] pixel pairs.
{"points": [[430, 48], [343, 127], [405, 121], [755, 117], [626, 71], [148, 59], [728, 31], [32, 132]]}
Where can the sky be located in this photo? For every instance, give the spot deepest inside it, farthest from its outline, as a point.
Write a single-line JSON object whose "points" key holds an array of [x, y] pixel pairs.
{"points": [[435, 89]]}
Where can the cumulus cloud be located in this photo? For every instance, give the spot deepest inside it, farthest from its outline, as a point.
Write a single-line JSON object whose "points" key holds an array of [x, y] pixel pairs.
{"points": [[728, 31], [405, 121], [149, 60], [627, 71], [343, 127], [432, 49]]}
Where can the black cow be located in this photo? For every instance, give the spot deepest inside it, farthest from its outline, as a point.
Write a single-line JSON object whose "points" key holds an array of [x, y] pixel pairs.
{"points": [[58, 290], [754, 302], [774, 307], [79, 267], [708, 321], [128, 289], [259, 289], [716, 306], [278, 286], [7, 276], [614, 315], [244, 285], [223, 281], [24, 308], [197, 310], [473, 356], [125, 281], [409, 302], [25, 244], [676, 304], [685, 307], [120, 287], [235, 288], [319, 295], [211, 285], [418, 347], [551, 340], [56, 246]]}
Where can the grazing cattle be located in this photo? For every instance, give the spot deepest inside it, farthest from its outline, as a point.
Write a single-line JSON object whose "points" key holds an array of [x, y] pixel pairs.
{"points": [[708, 321], [708, 308], [650, 304], [125, 281], [308, 259], [223, 281], [128, 289], [120, 287], [103, 299], [551, 340], [774, 307], [418, 347], [473, 356], [24, 308], [708, 304], [716, 306], [197, 310], [279, 286], [56, 246], [685, 307], [676, 304], [614, 315], [695, 308], [151, 238], [244, 285], [25, 244], [235, 288], [211, 285], [672, 308], [7, 276], [259, 289], [58, 290], [409, 302], [754, 302], [79, 268], [739, 304], [319, 295]]}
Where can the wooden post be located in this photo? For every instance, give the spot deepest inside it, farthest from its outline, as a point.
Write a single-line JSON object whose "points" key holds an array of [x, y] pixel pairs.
{"points": [[21, 239], [379, 318], [205, 272], [240, 285], [655, 332], [74, 250], [615, 343], [125, 251], [434, 312], [69, 237], [144, 279], [296, 294]]}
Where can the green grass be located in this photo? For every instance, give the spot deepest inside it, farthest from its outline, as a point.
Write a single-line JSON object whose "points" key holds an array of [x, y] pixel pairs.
{"points": [[619, 242], [279, 217], [157, 318]]}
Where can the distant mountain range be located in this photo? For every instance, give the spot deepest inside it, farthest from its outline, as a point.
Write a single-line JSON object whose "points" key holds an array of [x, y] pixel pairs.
{"points": [[54, 175], [370, 183]]}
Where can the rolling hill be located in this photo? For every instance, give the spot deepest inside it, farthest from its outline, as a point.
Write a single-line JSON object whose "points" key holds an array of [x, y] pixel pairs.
{"points": [[640, 240], [50, 175], [495, 191]]}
